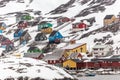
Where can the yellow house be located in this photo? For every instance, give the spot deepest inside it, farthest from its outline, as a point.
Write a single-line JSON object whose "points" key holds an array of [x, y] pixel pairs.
{"points": [[109, 19], [70, 63], [47, 30], [75, 48]]}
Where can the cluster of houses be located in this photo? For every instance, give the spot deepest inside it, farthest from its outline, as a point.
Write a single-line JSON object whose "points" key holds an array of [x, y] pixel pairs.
{"points": [[70, 56]]}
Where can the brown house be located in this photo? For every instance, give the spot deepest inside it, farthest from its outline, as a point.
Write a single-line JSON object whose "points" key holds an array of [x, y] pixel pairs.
{"points": [[109, 19], [25, 37]]}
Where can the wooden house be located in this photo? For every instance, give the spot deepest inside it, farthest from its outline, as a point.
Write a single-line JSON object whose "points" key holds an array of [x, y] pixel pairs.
{"points": [[3, 26], [71, 63], [40, 37], [80, 26], [18, 34], [34, 52], [55, 37], [75, 48], [62, 20], [100, 50], [46, 30], [25, 37], [55, 58], [23, 17], [22, 25], [7, 44], [44, 24], [109, 19], [75, 56]]}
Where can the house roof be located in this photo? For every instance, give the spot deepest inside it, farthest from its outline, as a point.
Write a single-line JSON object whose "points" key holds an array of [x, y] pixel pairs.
{"points": [[72, 46], [1, 23], [74, 55], [24, 33], [32, 48], [108, 16], [56, 55], [39, 34], [53, 33], [20, 22], [101, 46], [32, 54], [17, 30]]}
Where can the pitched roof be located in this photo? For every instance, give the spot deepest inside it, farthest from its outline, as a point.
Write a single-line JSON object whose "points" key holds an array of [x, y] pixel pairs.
{"points": [[32, 48], [24, 33], [32, 54], [1, 23], [56, 55], [108, 16], [53, 33], [20, 22], [17, 30], [72, 46], [40, 34]]}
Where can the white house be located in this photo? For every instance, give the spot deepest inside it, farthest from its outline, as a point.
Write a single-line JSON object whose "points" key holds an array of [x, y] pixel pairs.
{"points": [[101, 50]]}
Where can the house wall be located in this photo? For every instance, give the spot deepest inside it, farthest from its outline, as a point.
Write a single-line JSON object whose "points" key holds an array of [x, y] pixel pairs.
{"points": [[109, 21], [47, 30], [70, 64], [103, 52], [79, 49]]}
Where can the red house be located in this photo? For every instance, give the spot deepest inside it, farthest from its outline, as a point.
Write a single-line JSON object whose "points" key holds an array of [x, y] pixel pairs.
{"points": [[22, 25], [80, 25], [55, 58], [7, 44]]}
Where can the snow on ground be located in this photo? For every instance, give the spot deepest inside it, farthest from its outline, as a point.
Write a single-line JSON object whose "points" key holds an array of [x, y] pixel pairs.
{"points": [[16, 67]]}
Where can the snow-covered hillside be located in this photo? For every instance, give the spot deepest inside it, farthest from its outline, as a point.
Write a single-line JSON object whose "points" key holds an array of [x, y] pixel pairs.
{"points": [[51, 9], [26, 67]]}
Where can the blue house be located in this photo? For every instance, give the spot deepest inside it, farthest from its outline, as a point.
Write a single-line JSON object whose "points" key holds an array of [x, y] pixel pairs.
{"points": [[18, 34], [55, 37]]}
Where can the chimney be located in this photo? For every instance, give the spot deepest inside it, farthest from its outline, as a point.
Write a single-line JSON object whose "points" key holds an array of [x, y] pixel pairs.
{"points": [[72, 41]]}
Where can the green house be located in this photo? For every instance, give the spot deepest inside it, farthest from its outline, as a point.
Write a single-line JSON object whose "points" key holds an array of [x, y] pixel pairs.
{"points": [[26, 17], [34, 50], [44, 24]]}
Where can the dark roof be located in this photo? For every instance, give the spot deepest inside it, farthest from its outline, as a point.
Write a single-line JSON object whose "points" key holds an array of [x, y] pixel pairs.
{"points": [[4, 38], [108, 16], [43, 22], [20, 22], [76, 60], [39, 34], [32, 48], [24, 33], [53, 33], [1, 23], [17, 30]]}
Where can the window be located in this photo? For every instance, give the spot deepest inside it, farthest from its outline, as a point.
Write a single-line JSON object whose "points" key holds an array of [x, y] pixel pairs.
{"points": [[81, 49], [101, 49], [95, 49]]}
